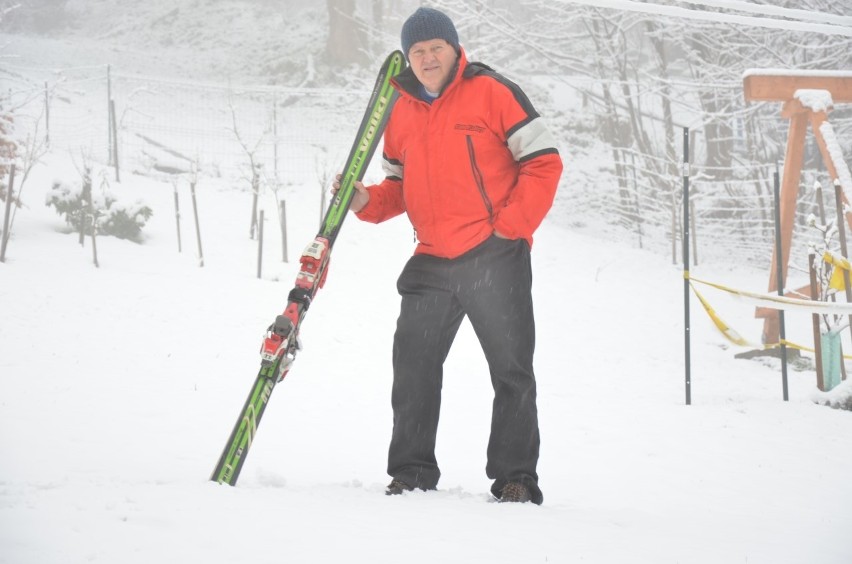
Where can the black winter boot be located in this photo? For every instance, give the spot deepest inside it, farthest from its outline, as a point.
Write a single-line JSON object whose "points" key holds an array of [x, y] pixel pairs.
{"points": [[515, 492], [396, 487]]}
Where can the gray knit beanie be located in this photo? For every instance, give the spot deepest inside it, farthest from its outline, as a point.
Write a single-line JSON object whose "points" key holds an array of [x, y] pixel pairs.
{"points": [[426, 24]]}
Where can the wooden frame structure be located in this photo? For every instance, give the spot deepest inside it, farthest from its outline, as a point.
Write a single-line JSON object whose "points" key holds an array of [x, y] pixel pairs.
{"points": [[782, 86]]}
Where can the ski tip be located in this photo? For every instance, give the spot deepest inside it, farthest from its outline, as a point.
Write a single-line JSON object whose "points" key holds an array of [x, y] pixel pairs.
{"points": [[397, 60]]}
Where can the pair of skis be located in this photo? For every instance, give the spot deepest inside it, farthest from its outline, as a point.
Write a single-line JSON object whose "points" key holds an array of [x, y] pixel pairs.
{"points": [[280, 345]]}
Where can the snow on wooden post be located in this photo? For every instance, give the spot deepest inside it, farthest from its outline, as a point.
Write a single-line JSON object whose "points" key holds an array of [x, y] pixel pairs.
{"points": [[9, 195]]}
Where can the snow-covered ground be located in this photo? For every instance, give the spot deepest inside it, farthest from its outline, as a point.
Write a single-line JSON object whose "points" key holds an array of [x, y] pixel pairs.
{"points": [[120, 384]]}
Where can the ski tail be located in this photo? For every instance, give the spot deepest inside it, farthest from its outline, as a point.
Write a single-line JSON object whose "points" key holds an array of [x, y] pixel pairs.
{"points": [[231, 462]]}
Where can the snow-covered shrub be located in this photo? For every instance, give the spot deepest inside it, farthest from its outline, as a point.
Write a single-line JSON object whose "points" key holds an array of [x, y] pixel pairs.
{"points": [[115, 218], [68, 201], [125, 221]]}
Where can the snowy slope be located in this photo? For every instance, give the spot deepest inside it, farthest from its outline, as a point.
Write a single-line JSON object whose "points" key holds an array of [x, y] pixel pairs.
{"points": [[119, 386]]}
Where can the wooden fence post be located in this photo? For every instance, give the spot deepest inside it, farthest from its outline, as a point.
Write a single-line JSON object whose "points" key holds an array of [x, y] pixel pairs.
{"points": [[84, 208], [685, 244], [114, 139], [46, 115], [283, 216], [9, 195], [844, 250], [93, 214], [197, 226], [255, 189], [260, 244], [779, 276], [815, 318], [177, 216]]}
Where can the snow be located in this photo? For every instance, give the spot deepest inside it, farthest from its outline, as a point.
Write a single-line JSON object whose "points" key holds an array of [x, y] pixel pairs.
{"points": [[797, 72], [815, 100], [844, 176], [119, 386]]}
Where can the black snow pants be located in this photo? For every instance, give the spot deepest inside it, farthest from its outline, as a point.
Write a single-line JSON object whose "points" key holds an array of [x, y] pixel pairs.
{"points": [[491, 284]]}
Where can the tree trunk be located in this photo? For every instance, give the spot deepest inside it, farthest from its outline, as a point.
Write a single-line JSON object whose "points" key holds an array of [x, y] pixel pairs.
{"points": [[665, 95], [346, 36]]}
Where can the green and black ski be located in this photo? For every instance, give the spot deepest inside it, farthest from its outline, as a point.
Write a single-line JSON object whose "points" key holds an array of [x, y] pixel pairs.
{"points": [[280, 344]]}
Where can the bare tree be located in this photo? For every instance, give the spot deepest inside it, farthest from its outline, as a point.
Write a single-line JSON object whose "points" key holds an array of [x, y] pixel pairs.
{"points": [[643, 76], [256, 167]]}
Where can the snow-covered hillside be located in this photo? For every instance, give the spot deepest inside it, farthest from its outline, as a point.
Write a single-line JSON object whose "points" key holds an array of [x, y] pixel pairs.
{"points": [[235, 39]]}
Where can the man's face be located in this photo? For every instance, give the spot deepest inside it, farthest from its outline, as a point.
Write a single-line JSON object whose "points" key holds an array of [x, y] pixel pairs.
{"points": [[432, 62]]}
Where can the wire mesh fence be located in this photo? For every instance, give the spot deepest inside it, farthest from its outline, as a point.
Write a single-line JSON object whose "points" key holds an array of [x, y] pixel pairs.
{"points": [[288, 136], [230, 131]]}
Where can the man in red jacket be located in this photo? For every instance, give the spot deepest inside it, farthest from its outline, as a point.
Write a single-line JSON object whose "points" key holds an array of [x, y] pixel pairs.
{"points": [[470, 161]]}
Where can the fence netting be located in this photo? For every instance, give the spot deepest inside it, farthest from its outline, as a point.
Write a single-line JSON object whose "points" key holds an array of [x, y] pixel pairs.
{"points": [[280, 136]]}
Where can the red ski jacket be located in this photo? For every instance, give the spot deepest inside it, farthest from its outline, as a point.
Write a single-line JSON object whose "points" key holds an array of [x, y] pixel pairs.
{"points": [[478, 159]]}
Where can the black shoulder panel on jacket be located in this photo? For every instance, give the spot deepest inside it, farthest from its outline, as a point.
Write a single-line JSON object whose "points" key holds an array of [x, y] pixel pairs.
{"points": [[408, 81], [481, 69]]}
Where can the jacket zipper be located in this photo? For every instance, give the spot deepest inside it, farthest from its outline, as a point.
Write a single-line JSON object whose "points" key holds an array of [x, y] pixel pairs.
{"points": [[477, 177]]}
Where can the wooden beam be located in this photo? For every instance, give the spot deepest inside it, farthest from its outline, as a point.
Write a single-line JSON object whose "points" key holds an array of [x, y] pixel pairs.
{"points": [[774, 87], [793, 161]]}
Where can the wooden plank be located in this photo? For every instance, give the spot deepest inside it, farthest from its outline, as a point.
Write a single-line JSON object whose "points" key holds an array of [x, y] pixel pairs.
{"points": [[780, 88]]}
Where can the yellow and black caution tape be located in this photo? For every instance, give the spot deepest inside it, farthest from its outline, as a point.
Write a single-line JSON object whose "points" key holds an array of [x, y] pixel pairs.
{"points": [[723, 327], [780, 302], [841, 266], [776, 302]]}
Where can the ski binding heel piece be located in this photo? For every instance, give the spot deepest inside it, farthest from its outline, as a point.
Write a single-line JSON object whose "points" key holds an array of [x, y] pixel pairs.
{"points": [[314, 260]]}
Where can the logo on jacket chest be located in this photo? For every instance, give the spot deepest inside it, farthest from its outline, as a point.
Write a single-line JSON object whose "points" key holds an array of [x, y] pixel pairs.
{"points": [[469, 127]]}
